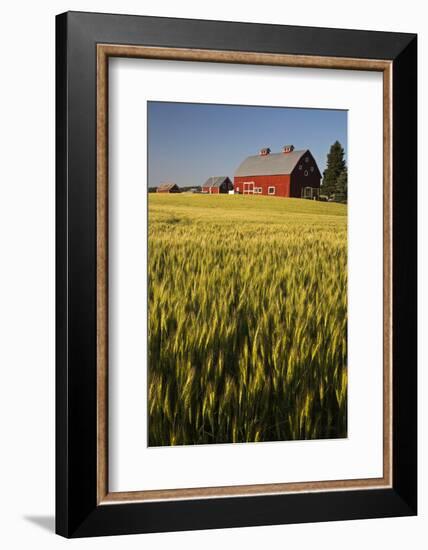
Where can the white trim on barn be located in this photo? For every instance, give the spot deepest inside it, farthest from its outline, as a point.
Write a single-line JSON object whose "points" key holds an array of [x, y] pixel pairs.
{"points": [[248, 188]]}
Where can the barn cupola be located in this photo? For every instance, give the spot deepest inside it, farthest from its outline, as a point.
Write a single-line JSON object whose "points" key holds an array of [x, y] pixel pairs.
{"points": [[264, 152], [288, 148]]}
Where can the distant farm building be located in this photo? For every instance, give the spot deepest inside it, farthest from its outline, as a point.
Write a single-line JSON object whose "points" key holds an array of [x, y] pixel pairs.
{"points": [[287, 174], [168, 188], [217, 184]]}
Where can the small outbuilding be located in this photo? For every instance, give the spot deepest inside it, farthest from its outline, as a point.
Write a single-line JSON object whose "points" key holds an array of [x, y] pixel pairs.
{"points": [[217, 184], [168, 188]]}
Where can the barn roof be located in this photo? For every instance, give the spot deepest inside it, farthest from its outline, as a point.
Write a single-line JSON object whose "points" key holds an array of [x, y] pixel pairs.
{"points": [[216, 181], [166, 186], [270, 165]]}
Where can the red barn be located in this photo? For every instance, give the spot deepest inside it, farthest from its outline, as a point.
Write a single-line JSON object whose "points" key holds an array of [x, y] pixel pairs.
{"points": [[217, 184], [287, 174], [168, 188]]}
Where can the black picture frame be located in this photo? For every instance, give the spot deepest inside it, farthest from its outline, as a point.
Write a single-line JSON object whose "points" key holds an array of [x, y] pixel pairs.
{"points": [[77, 511]]}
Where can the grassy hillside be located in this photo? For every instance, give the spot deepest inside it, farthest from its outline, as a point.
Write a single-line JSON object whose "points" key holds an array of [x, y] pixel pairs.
{"points": [[239, 208], [247, 319]]}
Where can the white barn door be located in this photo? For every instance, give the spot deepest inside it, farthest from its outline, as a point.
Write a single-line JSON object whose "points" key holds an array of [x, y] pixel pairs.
{"points": [[248, 188]]}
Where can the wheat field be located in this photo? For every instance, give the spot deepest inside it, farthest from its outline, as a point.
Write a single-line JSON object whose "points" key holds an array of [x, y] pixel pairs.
{"points": [[247, 323]]}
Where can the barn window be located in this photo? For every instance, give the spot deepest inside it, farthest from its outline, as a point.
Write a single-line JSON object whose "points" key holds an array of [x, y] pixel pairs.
{"points": [[306, 172], [271, 190], [312, 168], [300, 166], [306, 159]]}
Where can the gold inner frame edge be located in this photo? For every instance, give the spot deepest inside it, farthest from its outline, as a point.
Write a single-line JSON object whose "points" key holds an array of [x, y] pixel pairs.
{"points": [[104, 52]]}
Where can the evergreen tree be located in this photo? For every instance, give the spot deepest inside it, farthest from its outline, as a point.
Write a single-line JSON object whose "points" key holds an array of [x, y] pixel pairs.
{"points": [[335, 166], [342, 184]]}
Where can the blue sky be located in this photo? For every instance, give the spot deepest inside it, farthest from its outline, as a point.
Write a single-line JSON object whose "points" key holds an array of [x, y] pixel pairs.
{"points": [[189, 142]]}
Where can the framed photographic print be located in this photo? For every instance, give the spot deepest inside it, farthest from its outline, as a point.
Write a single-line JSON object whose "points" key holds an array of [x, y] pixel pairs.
{"points": [[236, 274]]}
